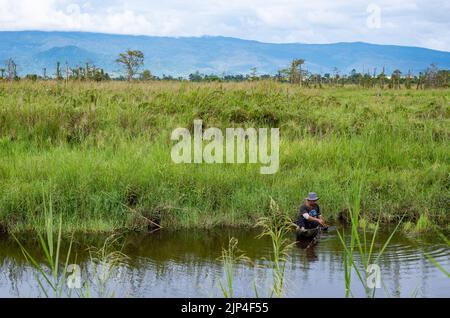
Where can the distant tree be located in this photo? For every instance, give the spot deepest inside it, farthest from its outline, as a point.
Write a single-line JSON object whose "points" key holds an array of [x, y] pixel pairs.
{"points": [[353, 76], [315, 79], [2, 72], [212, 78], [444, 78], [87, 71], [11, 69], [58, 73], [420, 80], [431, 76], [31, 77], [234, 78], [81, 73], [254, 74], [146, 75], [295, 75], [283, 75], [367, 80], [131, 61], [300, 72], [76, 73], [67, 72], [395, 78], [434, 77], [195, 77], [336, 75], [408, 80], [99, 75], [382, 77], [167, 77]]}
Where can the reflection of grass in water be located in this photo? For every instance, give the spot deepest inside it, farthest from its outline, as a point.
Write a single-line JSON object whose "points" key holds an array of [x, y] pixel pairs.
{"points": [[277, 225], [106, 262], [439, 266], [363, 246], [52, 277]]}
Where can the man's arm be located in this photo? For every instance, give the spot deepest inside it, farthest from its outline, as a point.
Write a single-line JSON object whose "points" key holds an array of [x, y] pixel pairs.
{"points": [[323, 221], [315, 219]]}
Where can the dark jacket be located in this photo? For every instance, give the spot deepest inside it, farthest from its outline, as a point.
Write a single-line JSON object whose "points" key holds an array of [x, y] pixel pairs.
{"points": [[304, 213]]}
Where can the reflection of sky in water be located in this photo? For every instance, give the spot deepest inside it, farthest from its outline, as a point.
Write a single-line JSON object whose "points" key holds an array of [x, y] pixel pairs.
{"points": [[187, 266]]}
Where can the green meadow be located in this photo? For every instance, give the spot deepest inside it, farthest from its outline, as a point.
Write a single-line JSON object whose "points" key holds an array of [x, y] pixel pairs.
{"points": [[99, 154]]}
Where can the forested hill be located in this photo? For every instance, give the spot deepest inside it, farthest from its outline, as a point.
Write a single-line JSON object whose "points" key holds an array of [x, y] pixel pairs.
{"points": [[180, 56]]}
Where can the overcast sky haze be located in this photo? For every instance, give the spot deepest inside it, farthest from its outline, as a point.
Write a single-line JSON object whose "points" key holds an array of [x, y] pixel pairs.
{"points": [[400, 22]]}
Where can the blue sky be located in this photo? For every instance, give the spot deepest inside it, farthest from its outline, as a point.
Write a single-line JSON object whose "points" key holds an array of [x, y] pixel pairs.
{"points": [[402, 22]]}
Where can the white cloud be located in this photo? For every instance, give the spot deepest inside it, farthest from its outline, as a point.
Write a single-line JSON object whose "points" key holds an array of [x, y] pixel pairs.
{"points": [[403, 22]]}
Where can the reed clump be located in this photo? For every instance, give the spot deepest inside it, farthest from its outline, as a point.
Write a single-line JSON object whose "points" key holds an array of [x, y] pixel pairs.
{"points": [[59, 276], [231, 257], [361, 258], [278, 226]]}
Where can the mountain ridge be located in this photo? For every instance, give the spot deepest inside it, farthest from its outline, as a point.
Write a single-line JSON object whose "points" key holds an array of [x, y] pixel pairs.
{"points": [[180, 56]]}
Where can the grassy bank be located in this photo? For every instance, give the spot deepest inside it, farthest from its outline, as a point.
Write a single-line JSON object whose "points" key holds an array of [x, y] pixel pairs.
{"points": [[102, 153]]}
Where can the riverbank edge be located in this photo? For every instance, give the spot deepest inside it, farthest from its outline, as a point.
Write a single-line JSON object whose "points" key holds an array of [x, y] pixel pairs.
{"points": [[421, 226]]}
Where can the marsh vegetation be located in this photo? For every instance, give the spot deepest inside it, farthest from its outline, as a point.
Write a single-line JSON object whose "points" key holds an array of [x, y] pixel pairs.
{"points": [[102, 151]]}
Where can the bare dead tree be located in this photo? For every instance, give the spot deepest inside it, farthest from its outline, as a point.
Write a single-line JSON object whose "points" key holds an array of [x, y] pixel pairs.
{"points": [[67, 72], [296, 71], [408, 80], [11, 69], [58, 73], [87, 71], [382, 77]]}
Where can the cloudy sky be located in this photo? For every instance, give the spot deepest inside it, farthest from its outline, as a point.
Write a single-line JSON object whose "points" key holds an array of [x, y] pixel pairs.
{"points": [[422, 23]]}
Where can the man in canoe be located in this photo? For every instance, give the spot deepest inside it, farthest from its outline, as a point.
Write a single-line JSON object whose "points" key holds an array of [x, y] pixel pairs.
{"points": [[310, 216]]}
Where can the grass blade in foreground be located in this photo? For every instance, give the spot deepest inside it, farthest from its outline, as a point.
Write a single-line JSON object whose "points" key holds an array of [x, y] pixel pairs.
{"points": [[360, 245], [278, 226], [431, 259]]}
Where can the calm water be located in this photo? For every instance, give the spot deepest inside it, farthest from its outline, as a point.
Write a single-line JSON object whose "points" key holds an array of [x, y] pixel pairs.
{"points": [[186, 264]]}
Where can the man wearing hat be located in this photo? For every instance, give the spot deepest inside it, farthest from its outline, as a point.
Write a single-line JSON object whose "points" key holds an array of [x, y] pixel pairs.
{"points": [[310, 216]]}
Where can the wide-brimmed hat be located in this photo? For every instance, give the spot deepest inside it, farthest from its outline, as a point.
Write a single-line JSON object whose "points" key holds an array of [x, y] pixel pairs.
{"points": [[312, 196]]}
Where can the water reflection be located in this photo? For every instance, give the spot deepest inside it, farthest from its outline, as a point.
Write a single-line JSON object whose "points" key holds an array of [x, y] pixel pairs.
{"points": [[309, 246], [186, 264]]}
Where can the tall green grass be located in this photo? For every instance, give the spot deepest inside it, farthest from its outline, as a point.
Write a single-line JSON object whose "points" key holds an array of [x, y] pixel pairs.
{"points": [[231, 257], [102, 149], [55, 275], [359, 249], [104, 278], [278, 226], [52, 276]]}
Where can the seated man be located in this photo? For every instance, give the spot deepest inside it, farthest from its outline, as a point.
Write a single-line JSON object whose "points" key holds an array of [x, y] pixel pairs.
{"points": [[310, 216]]}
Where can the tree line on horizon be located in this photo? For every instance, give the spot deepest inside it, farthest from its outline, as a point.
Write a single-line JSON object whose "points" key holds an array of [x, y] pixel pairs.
{"points": [[132, 61]]}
